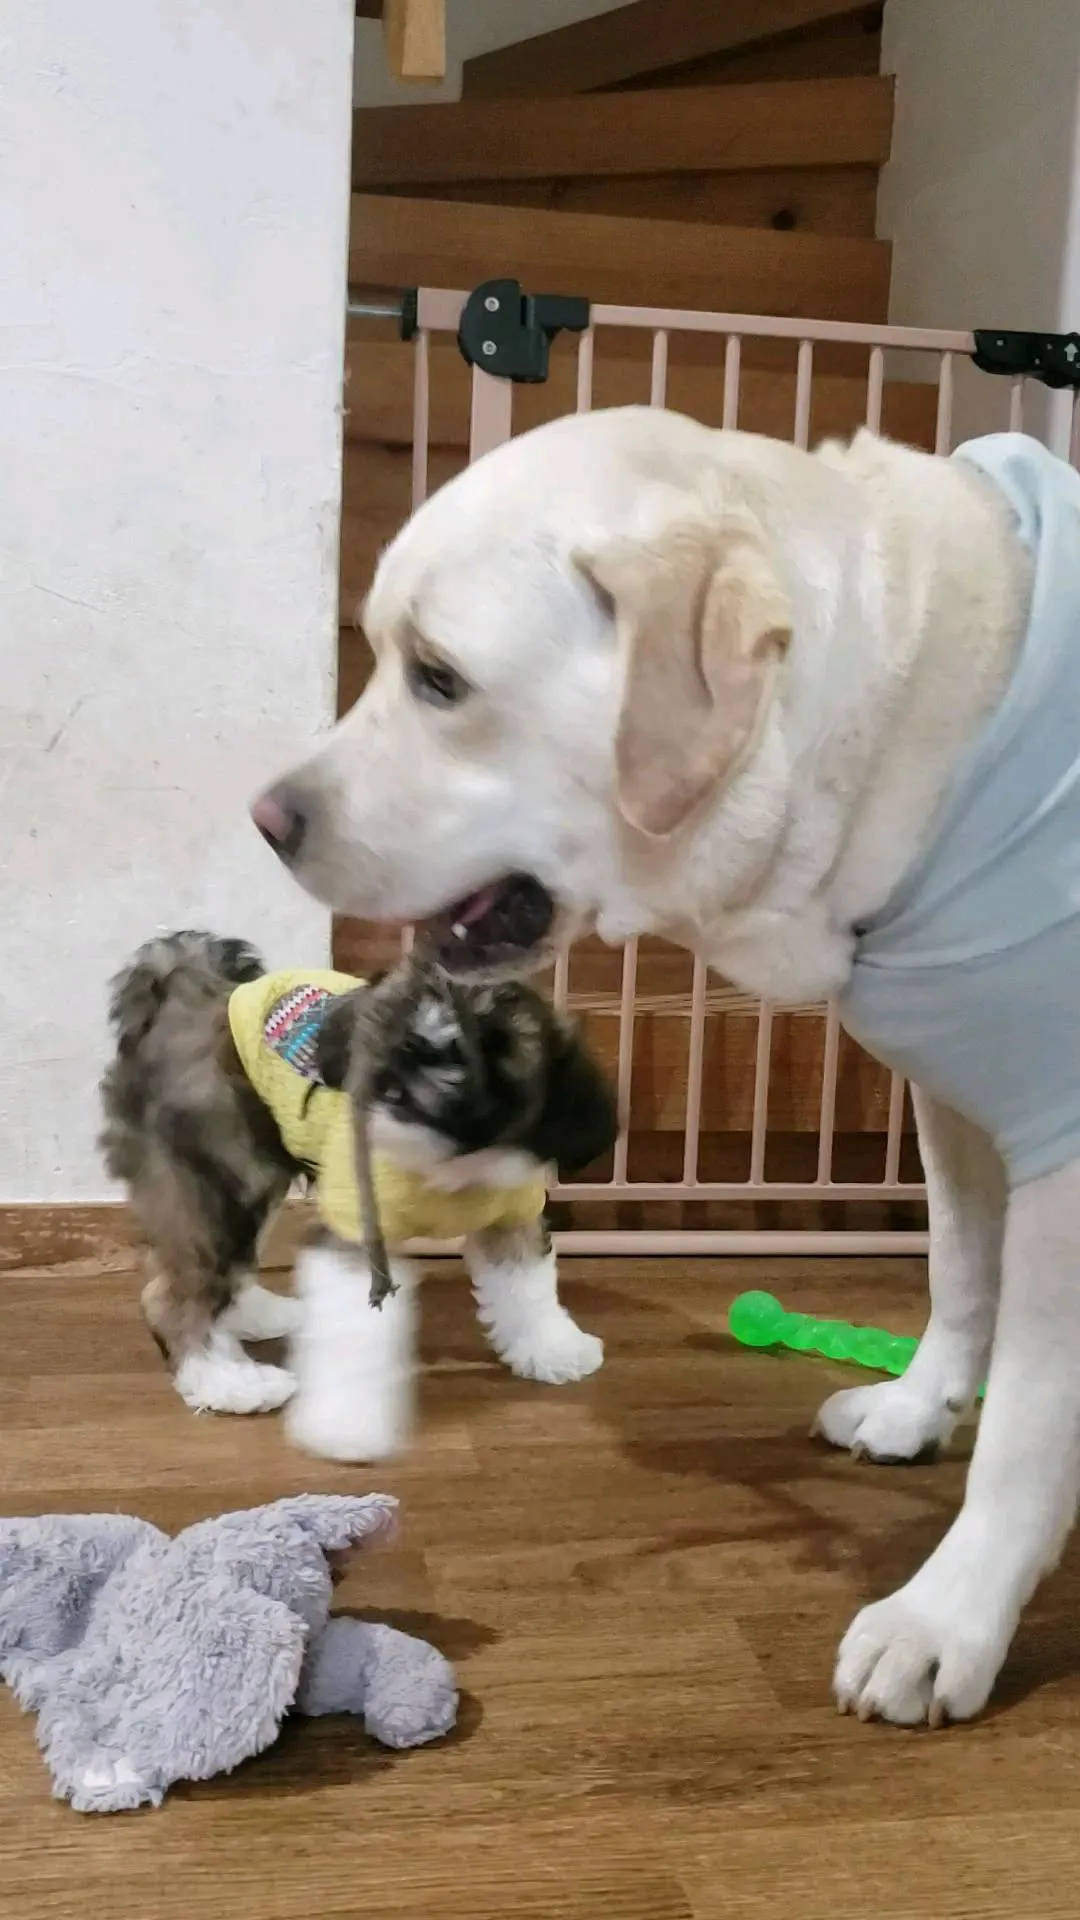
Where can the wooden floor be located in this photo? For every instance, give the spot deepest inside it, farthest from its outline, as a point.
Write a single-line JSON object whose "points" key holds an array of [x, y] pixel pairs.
{"points": [[641, 1580]]}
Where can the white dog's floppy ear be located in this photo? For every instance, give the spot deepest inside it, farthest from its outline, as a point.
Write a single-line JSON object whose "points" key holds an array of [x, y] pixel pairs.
{"points": [[705, 623]]}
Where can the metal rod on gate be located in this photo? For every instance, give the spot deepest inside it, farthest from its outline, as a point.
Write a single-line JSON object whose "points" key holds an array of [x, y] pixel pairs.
{"points": [[658, 378], [626, 1060], [943, 429], [695, 1067], [804, 381], [421, 417], [875, 389], [760, 1121], [732, 375], [827, 1122], [586, 345], [373, 309], [894, 1137]]}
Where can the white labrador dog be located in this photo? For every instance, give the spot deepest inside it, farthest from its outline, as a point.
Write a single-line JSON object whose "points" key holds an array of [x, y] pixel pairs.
{"points": [[636, 674]]}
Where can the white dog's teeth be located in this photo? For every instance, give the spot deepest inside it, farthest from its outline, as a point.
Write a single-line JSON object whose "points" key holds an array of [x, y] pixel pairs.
{"points": [[459, 930]]}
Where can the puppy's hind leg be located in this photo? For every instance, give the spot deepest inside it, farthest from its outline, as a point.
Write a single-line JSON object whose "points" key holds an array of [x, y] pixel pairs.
{"points": [[515, 1283], [203, 1236], [187, 1313], [258, 1313]]}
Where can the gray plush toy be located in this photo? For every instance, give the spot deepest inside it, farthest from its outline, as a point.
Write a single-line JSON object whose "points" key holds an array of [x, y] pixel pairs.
{"points": [[150, 1660]]}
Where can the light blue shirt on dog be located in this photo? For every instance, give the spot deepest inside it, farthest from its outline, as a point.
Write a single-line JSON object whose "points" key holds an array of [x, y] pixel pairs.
{"points": [[968, 980]]}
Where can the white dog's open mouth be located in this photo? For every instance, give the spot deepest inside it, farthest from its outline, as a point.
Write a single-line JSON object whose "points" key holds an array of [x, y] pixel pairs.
{"points": [[495, 927]]}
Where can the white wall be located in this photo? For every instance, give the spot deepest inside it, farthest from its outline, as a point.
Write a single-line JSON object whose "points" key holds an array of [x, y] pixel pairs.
{"points": [[472, 27], [173, 217], [983, 192]]}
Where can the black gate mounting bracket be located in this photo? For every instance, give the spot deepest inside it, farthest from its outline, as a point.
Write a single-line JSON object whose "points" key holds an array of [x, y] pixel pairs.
{"points": [[509, 333], [1053, 358]]}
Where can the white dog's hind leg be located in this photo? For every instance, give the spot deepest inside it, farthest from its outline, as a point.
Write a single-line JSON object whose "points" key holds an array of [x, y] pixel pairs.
{"points": [[899, 1419], [515, 1282], [355, 1364], [934, 1649]]}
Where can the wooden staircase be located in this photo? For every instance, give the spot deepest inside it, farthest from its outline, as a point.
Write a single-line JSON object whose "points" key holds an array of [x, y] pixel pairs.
{"points": [[716, 154]]}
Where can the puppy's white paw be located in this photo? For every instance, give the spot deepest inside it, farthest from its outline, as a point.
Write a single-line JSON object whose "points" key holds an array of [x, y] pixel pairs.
{"points": [[922, 1655], [346, 1430], [258, 1314], [887, 1421], [556, 1352], [220, 1381]]}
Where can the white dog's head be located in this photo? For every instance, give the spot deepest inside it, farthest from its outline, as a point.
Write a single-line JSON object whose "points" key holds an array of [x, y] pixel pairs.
{"points": [[576, 642]]}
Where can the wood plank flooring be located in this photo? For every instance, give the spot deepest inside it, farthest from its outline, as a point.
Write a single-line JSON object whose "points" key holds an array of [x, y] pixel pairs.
{"points": [[642, 1581]]}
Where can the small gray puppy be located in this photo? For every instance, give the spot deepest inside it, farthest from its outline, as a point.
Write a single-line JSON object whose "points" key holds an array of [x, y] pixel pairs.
{"points": [[478, 1085]]}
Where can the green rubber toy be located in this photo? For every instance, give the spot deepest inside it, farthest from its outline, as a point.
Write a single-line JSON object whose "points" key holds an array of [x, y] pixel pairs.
{"points": [[758, 1320]]}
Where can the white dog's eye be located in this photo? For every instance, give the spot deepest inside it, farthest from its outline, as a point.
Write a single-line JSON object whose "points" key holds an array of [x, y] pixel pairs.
{"points": [[433, 679]]}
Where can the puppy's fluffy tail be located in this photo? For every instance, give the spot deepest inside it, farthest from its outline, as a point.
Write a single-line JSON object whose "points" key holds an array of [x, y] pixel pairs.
{"points": [[175, 966]]}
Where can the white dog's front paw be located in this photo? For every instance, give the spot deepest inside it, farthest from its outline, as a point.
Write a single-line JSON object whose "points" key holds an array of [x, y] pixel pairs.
{"points": [[886, 1421], [556, 1353], [918, 1657], [220, 1381]]}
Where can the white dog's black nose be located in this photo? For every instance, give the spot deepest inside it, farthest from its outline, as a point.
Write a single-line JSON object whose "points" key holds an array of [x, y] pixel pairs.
{"points": [[282, 818]]}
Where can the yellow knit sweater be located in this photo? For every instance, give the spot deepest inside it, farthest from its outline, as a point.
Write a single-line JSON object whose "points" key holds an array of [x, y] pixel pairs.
{"points": [[274, 1023]]}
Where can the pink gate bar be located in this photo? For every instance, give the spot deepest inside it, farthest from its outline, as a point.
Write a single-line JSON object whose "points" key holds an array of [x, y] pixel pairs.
{"points": [[491, 423]]}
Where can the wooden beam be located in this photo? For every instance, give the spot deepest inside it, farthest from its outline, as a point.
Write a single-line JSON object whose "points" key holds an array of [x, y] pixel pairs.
{"points": [[633, 40], [440, 243], [792, 123], [415, 33]]}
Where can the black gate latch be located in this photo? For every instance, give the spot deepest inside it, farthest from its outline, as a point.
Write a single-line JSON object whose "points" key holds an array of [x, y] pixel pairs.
{"points": [[509, 333], [1053, 358]]}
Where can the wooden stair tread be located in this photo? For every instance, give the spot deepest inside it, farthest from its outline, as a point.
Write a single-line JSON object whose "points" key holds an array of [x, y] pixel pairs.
{"points": [[403, 242], [632, 40], [847, 43], [788, 199], [793, 123]]}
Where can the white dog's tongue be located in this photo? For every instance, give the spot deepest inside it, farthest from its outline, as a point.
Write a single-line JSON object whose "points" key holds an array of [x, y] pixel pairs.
{"points": [[469, 911], [496, 925]]}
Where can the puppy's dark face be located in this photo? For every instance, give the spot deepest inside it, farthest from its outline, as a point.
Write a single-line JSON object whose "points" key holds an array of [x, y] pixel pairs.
{"points": [[468, 1064], [476, 1065]]}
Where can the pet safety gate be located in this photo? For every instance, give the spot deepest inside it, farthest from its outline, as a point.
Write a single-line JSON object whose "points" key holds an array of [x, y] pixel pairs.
{"points": [[671, 1042]]}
